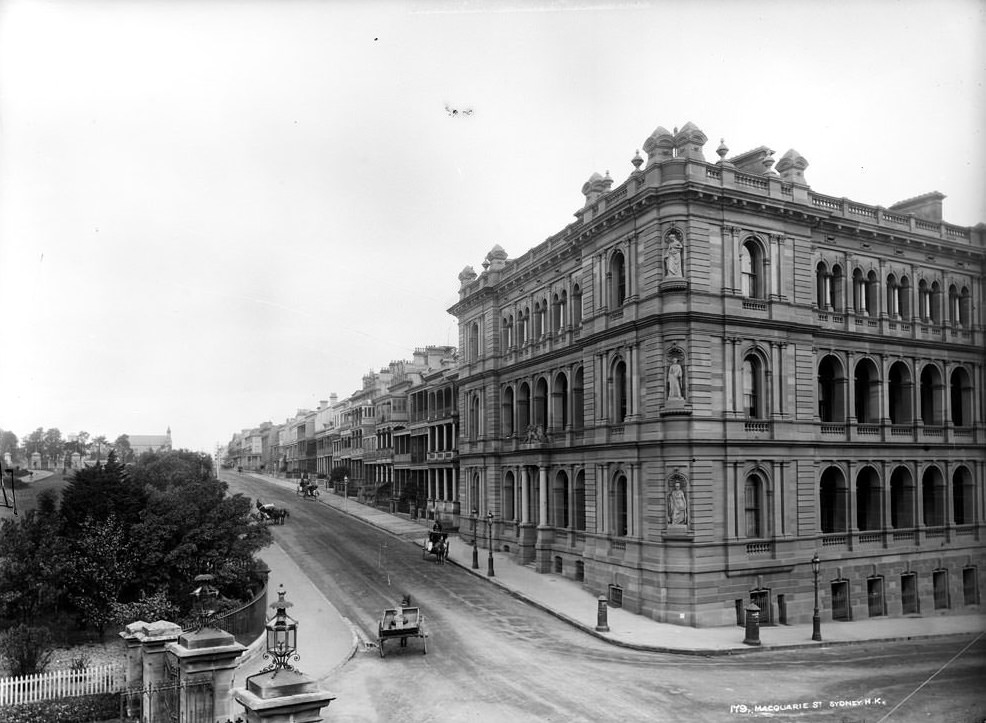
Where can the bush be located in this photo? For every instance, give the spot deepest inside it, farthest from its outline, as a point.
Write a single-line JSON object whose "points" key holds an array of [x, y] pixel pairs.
{"points": [[84, 709], [26, 650]]}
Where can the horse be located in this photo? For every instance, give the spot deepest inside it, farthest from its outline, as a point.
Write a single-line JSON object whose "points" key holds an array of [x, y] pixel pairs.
{"points": [[278, 515], [441, 550]]}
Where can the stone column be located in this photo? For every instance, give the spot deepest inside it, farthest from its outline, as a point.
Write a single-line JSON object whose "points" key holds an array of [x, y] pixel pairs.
{"points": [[208, 656], [146, 663]]}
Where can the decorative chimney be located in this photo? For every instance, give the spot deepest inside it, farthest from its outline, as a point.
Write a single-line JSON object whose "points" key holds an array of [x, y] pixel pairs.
{"points": [[792, 167]]}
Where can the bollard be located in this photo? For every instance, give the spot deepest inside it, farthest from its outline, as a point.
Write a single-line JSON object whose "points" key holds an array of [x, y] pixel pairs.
{"points": [[752, 625], [601, 623]]}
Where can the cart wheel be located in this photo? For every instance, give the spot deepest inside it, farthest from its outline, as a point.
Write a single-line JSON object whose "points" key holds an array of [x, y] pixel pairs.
{"points": [[380, 646]]}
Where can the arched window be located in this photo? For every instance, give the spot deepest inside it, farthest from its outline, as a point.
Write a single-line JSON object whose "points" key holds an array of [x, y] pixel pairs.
{"points": [[562, 310], [963, 502], [872, 293], [837, 288], [509, 511], [539, 314], [541, 404], [933, 497], [754, 495], [580, 500], [754, 387], [556, 313], [901, 499], [752, 270], [868, 511], [523, 407], [618, 279], [899, 390], [954, 305], [474, 341], [823, 298], [904, 298], [621, 506], [866, 388], [832, 496], [860, 297], [935, 302], [960, 397], [931, 384], [523, 319], [560, 509], [507, 412], [831, 390], [620, 400], [578, 400], [559, 403], [474, 430], [965, 307], [576, 305], [893, 300], [507, 332]]}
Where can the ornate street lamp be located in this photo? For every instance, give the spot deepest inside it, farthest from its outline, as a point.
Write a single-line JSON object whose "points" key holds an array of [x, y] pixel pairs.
{"points": [[475, 550], [205, 596], [489, 523], [816, 620], [282, 635]]}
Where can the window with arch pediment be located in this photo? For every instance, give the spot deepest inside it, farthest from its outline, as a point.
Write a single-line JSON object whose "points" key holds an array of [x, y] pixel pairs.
{"points": [[752, 269], [576, 305], [618, 279], [754, 493], [754, 381], [620, 398]]}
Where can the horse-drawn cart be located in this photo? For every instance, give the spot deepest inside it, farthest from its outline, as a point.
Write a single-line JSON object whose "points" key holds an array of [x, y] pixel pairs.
{"points": [[436, 544], [400, 624]]}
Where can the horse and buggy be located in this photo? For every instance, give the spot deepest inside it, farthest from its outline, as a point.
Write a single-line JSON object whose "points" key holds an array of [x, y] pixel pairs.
{"points": [[400, 623], [307, 489], [271, 513], [437, 544]]}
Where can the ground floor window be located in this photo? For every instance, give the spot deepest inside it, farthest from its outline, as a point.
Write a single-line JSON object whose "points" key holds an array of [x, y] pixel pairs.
{"points": [[939, 580], [874, 597], [841, 610], [909, 594], [761, 598], [970, 586]]}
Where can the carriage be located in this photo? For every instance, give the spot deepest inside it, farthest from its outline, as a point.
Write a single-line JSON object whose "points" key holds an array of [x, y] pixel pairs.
{"points": [[437, 545], [401, 623], [307, 489]]}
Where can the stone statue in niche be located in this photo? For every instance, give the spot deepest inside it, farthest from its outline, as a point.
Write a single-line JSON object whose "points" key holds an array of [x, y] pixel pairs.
{"points": [[677, 505], [673, 245], [675, 380]]}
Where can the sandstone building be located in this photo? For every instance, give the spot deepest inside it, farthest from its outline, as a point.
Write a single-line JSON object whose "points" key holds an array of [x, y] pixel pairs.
{"points": [[714, 373]]}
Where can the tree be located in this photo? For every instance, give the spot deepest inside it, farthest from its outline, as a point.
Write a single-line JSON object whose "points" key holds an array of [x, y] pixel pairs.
{"points": [[8, 443], [53, 447], [101, 444], [124, 451], [34, 442], [33, 561], [103, 562], [99, 492]]}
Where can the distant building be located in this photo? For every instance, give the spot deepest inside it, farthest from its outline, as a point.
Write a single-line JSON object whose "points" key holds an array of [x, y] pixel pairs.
{"points": [[140, 443]]}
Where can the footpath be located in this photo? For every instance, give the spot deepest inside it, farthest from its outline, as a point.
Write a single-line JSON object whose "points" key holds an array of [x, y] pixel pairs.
{"points": [[326, 641]]}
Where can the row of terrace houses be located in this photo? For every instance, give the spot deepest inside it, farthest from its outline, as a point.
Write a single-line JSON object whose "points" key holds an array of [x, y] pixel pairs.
{"points": [[391, 443]]}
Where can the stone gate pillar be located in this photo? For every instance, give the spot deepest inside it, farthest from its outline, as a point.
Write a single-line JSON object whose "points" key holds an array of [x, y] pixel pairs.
{"points": [[146, 665], [205, 661]]}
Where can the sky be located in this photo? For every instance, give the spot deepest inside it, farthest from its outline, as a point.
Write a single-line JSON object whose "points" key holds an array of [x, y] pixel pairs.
{"points": [[214, 214]]}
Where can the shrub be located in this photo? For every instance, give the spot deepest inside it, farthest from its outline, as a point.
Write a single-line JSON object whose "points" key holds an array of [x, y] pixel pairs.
{"points": [[84, 709], [26, 650]]}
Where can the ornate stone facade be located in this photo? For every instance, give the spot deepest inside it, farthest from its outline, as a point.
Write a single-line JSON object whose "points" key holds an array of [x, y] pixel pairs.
{"points": [[726, 372]]}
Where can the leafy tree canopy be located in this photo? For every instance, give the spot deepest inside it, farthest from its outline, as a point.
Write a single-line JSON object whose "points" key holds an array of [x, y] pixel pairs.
{"points": [[101, 491]]}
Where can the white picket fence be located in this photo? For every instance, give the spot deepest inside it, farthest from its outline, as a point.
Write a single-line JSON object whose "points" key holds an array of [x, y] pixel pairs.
{"points": [[57, 684]]}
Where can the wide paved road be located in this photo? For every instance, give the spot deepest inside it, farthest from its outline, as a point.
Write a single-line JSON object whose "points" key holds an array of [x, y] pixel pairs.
{"points": [[493, 658]]}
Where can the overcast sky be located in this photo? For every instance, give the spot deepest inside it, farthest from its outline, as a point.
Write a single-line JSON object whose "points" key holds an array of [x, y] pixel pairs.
{"points": [[213, 214]]}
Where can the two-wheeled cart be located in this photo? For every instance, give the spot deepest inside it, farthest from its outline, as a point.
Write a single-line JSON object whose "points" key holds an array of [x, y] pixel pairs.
{"points": [[401, 624]]}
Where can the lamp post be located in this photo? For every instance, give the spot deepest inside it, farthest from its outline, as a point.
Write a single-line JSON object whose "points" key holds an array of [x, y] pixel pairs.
{"points": [[345, 492], [489, 524], [816, 620], [282, 635], [475, 550]]}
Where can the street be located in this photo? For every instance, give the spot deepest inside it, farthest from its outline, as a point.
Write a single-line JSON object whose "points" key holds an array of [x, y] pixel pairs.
{"points": [[493, 657]]}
